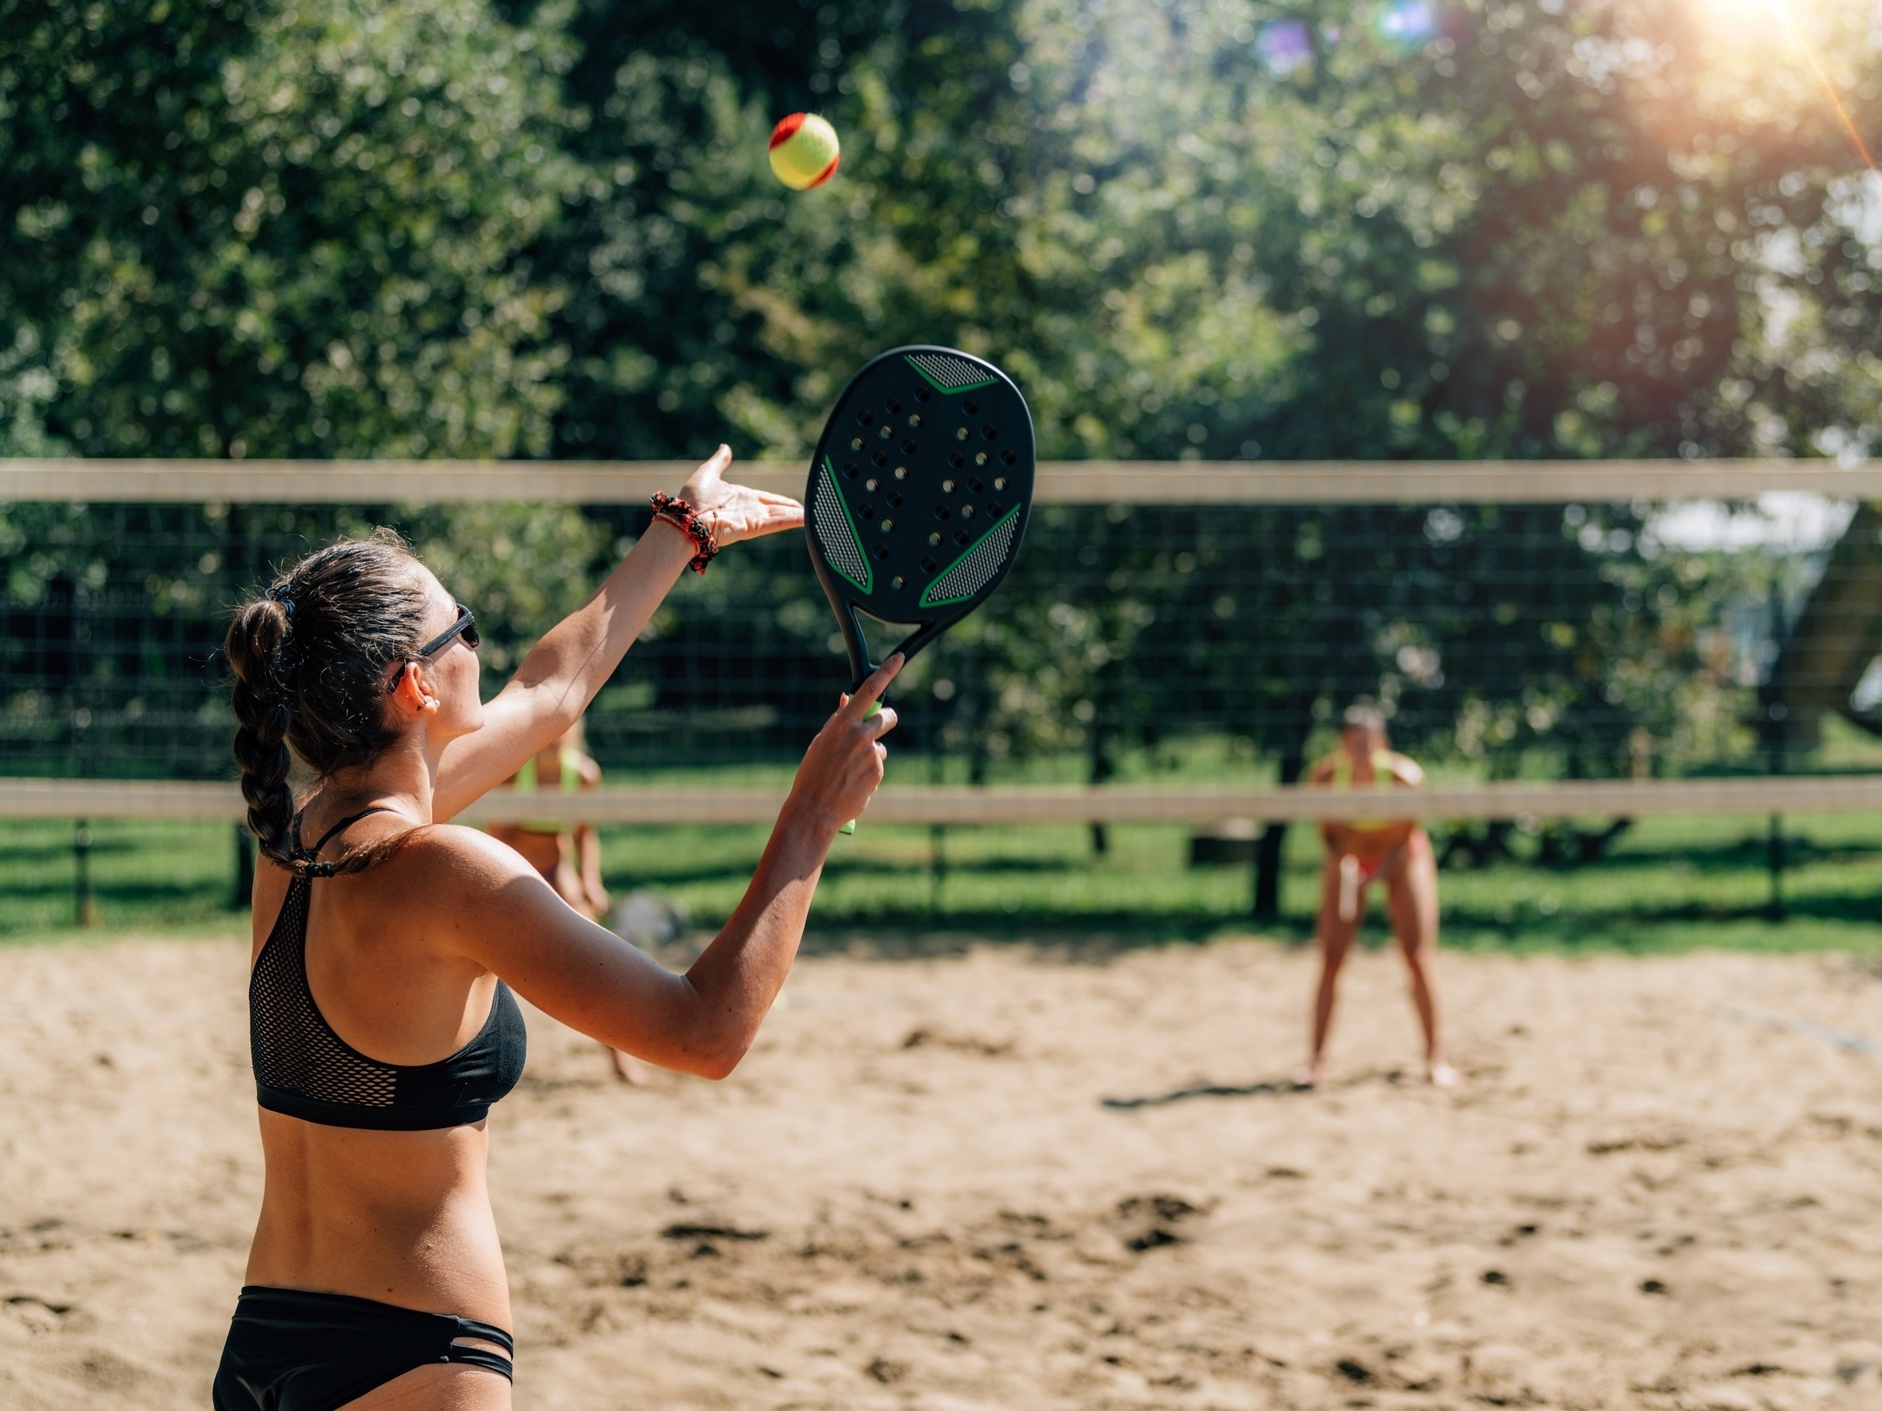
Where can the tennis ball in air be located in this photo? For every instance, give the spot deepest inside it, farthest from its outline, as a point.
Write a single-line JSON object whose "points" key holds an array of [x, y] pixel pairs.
{"points": [[804, 151]]}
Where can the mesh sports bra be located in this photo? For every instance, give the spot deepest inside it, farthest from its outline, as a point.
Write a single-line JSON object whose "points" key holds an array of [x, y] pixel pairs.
{"points": [[304, 1069]]}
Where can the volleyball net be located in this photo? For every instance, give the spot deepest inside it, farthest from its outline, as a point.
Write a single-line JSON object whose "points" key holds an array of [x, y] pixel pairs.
{"points": [[1175, 642]]}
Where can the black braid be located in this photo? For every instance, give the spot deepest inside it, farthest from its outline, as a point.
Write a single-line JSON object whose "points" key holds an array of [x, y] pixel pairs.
{"points": [[255, 643]]}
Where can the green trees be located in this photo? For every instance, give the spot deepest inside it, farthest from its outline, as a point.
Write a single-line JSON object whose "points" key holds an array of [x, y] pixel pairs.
{"points": [[257, 229]]}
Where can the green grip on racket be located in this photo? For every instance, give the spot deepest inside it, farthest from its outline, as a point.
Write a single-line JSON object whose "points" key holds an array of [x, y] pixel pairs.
{"points": [[875, 708]]}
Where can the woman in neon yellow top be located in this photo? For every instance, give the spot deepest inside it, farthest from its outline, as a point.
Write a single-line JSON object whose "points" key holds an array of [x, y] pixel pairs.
{"points": [[1361, 851], [567, 856]]}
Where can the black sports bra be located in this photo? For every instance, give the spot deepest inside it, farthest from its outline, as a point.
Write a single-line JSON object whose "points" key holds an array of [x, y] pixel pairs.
{"points": [[305, 1070]]}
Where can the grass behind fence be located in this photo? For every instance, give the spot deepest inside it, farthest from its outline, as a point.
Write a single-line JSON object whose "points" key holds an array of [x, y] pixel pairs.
{"points": [[1669, 884]]}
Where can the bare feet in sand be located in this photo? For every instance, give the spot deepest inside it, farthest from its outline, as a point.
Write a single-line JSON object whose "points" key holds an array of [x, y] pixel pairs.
{"points": [[1440, 1074]]}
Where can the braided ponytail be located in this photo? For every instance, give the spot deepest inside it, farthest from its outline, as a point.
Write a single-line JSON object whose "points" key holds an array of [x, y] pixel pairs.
{"points": [[350, 612], [260, 699]]}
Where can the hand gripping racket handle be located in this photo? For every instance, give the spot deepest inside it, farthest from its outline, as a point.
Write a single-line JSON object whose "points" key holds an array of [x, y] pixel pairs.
{"points": [[874, 708]]}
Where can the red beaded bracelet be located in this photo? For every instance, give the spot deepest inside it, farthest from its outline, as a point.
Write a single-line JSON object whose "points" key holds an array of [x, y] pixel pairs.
{"points": [[683, 516]]}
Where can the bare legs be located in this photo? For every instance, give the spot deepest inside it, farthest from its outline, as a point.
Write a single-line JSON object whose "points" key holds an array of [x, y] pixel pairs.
{"points": [[1335, 929], [439, 1388], [1412, 904]]}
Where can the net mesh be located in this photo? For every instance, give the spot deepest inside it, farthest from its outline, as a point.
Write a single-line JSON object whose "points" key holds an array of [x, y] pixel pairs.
{"points": [[1543, 641], [974, 569]]}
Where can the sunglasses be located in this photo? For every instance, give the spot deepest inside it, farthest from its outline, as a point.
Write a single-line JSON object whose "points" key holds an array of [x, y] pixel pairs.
{"points": [[465, 627]]}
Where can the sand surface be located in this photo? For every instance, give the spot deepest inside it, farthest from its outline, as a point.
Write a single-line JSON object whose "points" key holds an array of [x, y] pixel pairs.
{"points": [[913, 1194]]}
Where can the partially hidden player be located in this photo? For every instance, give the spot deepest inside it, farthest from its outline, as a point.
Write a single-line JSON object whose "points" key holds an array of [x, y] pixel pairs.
{"points": [[566, 855], [386, 942], [1393, 853]]}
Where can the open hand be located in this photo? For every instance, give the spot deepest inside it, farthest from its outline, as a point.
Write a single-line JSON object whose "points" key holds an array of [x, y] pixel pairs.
{"points": [[735, 512]]}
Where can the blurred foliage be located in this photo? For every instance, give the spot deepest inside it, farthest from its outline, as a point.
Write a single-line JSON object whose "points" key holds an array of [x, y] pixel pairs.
{"points": [[522, 567], [1219, 229], [260, 229]]}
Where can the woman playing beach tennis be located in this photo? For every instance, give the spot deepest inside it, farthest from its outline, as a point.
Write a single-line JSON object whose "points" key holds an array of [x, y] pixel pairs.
{"points": [[1394, 852], [386, 943]]}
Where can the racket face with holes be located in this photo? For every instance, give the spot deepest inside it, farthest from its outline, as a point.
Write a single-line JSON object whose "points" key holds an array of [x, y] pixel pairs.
{"points": [[919, 494]]}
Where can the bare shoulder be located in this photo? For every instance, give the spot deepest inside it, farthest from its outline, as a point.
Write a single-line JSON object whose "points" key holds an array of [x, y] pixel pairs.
{"points": [[473, 895], [452, 855], [265, 901], [590, 771], [1322, 770], [1406, 770]]}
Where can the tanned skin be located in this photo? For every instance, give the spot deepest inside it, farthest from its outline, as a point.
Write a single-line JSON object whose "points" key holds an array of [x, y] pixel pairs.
{"points": [[569, 860], [1400, 857], [403, 958]]}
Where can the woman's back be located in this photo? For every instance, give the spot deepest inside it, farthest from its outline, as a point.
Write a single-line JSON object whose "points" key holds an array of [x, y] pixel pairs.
{"points": [[368, 1175]]}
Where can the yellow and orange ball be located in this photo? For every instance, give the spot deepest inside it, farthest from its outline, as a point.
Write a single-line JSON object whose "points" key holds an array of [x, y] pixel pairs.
{"points": [[804, 151]]}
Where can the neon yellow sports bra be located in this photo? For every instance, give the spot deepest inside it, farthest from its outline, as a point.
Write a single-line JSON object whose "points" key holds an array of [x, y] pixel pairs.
{"points": [[1381, 774], [571, 784]]}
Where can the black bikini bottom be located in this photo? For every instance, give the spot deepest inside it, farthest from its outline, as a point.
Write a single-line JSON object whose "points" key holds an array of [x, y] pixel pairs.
{"points": [[294, 1351]]}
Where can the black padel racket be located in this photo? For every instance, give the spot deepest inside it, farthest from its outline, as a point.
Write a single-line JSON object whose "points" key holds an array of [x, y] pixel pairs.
{"points": [[919, 494]]}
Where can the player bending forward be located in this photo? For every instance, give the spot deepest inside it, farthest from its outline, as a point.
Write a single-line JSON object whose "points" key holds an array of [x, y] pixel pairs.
{"points": [[387, 941], [1393, 852]]}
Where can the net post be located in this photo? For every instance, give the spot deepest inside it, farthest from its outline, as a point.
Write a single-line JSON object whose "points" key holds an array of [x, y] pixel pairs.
{"points": [[1267, 873], [1269, 857], [937, 866], [1774, 861], [84, 905], [244, 871], [937, 839]]}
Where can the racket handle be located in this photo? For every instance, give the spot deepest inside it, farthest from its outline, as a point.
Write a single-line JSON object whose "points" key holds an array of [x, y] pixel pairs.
{"points": [[875, 707]]}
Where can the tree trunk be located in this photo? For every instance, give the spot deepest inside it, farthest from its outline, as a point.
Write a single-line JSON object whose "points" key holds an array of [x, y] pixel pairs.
{"points": [[1101, 765], [1832, 642]]}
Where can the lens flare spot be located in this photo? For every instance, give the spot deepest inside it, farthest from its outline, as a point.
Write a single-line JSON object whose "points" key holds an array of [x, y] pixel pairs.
{"points": [[1407, 25], [1283, 46]]}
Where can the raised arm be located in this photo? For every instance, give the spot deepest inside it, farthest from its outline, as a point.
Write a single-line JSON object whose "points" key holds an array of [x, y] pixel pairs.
{"points": [[575, 658], [701, 1022]]}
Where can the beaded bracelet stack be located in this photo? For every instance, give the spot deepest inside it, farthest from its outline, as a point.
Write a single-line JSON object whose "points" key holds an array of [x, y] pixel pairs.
{"points": [[682, 515]]}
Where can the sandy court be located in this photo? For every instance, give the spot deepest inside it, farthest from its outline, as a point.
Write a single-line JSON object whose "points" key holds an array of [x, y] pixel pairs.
{"points": [[913, 1194]]}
